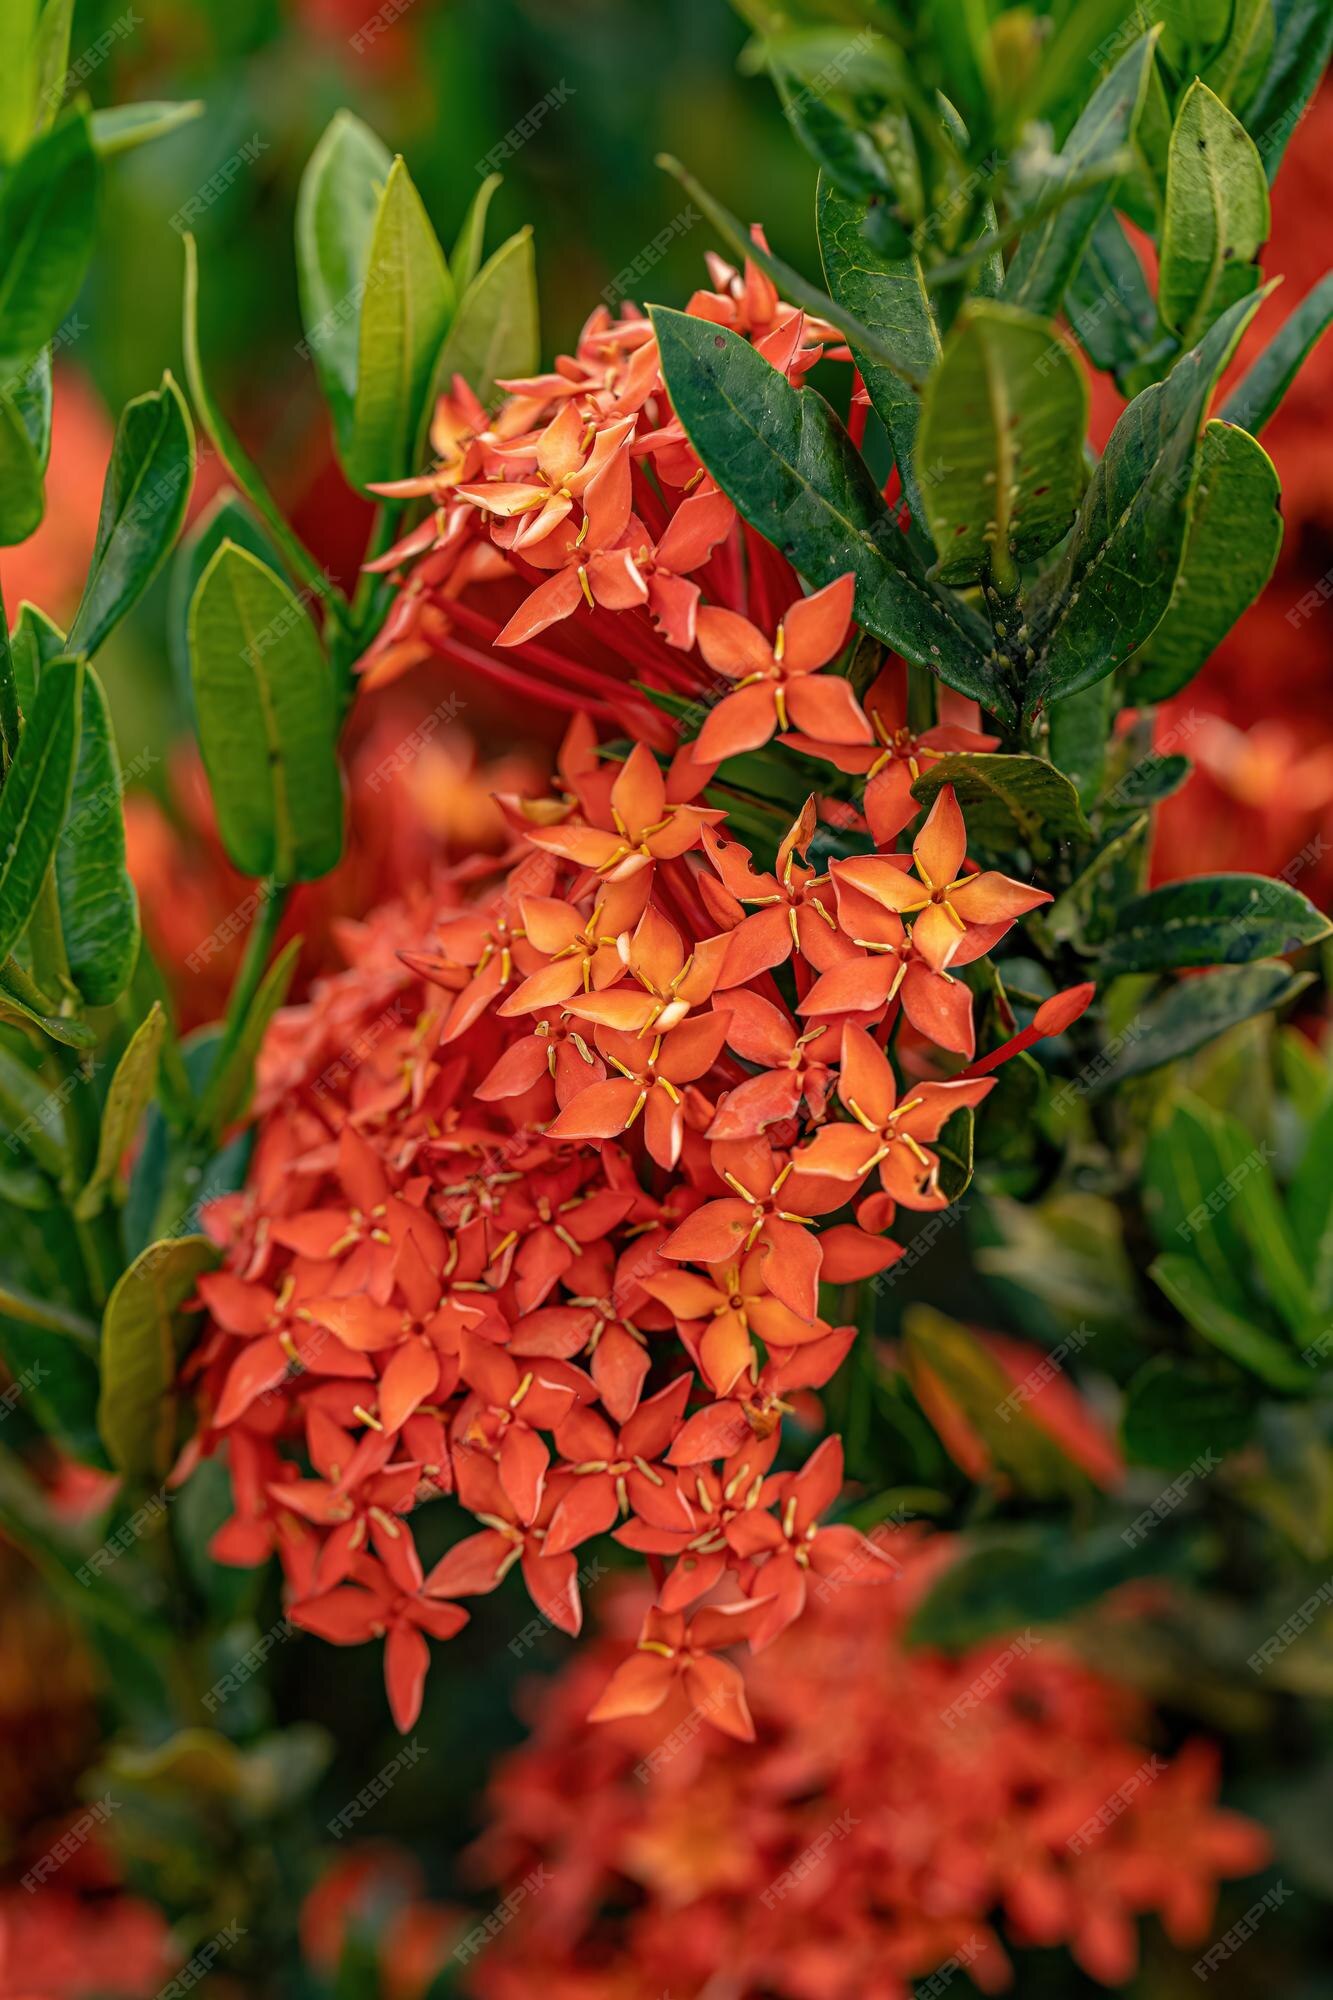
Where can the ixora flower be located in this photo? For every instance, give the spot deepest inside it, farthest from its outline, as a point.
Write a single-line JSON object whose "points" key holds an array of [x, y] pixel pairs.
{"points": [[902, 1814], [560, 1251]]}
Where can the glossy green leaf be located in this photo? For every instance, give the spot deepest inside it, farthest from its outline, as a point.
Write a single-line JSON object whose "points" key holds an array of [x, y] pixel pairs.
{"points": [[465, 257], [888, 294], [1007, 797], [264, 703], [1049, 254], [143, 1343], [335, 219], [1195, 1011], [1184, 1282], [144, 500], [782, 457], [22, 499], [1176, 1412], [228, 1093], [979, 1387], [128, 1096], [1234, 539], [408, 304], [120, 128], [841, 148], [1211, 920], [99, 910], [494, 332], [1259, 393], [999, 451], [35, 796], [46, 238], [1113, 583], [1301, 50], [1217, 215]]}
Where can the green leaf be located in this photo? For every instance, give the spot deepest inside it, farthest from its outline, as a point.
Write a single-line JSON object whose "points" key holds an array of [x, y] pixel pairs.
{"points": [[144, 500], [143, 1343], [1049, 254], [22, 499], [1240, 65], [11, 721], [1263, 1222], [841, 149], [31, 394], [1217, 215], [1231, 550], [264, 702], [1178, 1411], [1007, 796], [1010, 1578], [494, 332], [1310, 1206], [977, 1384], [1185, 1283], [70, 1032], [48, 1314], [99, 910], [1196, 1011], [335, 219], [1211, 920], [465, 257], [1080, 736], [120, 128], [408, 304], [229, 448], [33, 1113], [50, 61], [999, 451], [1113, 583], [783, 459], [226, 519], [36, 793], [1300, 57], [46, 238], [228, 1092], [127, 1099], [1184, 1174], [1191, 28], [1257, 396], [18, 26], [888, 294]]}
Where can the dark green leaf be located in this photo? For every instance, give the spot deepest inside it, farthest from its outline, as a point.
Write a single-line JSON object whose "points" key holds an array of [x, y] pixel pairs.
{"points": [[1007, 795], [999, 451], [1211, 920], [1257, 396], [1196, 1011], [405, 313], [1310, 1205], [31, 394], [264, 702], [144, 499], [1108, 303], [46, 238], [1217, 215], [1113, 584], [1176, 1412], [1231, 550], [1184, 1198], [99, 911], [1300, 57], [781, 456], [22, 500], [127, 1099], [335, 220], [1080, 735], [143, 1343], [1240, 65], [1049, 254], [36, 793]]}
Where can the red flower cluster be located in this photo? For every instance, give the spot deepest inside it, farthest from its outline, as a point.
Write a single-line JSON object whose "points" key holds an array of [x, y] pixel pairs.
{"points": [[897, 1807], [548, 1187]]}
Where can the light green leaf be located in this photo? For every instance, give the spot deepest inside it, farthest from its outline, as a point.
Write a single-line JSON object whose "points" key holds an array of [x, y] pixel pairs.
{"points": [[999, 451], [1007, 797], [127, 1099], [1185, 1283], [1217, 215], [335, 219], [143, 1344], [35, 795], [264, 702], [46, 239], [99, 910], [1259, 393], [120, 128], [465, 257], [494, 332], [1235, 537], [1049, 254], [18, 26], [50, 61], [226, 519], [1114, 581], [783, 459], [408, 304], [22, 498], [144, 500]]}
